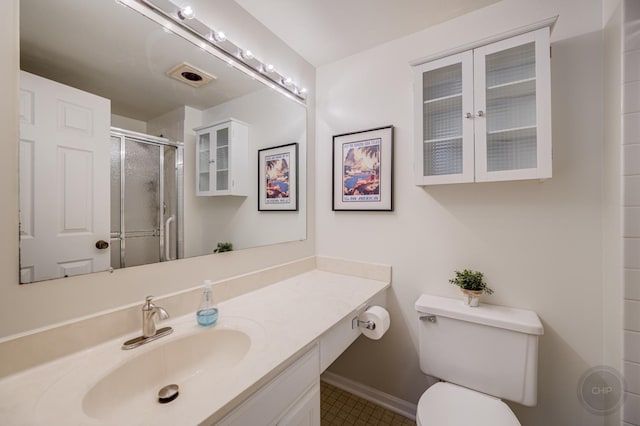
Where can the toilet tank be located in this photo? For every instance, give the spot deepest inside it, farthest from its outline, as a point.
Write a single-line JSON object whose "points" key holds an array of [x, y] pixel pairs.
{"points": [[492, 349]]}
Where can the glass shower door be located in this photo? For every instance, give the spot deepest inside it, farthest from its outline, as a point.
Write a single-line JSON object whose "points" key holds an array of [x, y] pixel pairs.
{"points": [[144, 202]]}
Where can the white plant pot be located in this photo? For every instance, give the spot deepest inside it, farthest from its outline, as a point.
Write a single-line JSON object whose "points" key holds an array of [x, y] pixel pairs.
{"points": [[471, 298]]}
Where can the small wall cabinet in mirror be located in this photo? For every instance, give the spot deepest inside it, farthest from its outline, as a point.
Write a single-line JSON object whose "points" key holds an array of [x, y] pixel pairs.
{"points": [[222, 155], [485, 114]]}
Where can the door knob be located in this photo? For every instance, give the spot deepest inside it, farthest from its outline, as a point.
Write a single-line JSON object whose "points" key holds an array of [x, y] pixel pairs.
{"points": [[102, 244]]}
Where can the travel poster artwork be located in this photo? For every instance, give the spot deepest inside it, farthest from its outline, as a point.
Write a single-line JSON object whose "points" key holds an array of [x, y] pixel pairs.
{"points": [[361, 171], [277, 179]]}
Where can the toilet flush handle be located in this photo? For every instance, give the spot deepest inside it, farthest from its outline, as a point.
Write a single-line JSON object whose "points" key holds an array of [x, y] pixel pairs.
{"points": [[430, 318]]}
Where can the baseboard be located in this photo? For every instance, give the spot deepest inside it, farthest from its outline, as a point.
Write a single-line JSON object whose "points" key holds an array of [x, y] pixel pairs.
{"points": [[380, 398]]}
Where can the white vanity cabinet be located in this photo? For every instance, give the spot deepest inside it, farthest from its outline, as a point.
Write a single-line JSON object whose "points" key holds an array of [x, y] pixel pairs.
{"points": [[485, 114], [222, 158], [290, 399]]}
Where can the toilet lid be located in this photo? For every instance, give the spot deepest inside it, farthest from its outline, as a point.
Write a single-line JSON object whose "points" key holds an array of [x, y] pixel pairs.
{"points": [[446, 404]]}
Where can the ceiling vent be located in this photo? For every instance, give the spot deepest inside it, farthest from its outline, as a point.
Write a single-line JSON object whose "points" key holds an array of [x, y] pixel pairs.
{"points": [[190, 75]]}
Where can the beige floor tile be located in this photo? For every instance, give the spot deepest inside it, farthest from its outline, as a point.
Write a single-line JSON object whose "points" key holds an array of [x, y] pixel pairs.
{"points": [[340, 408]]}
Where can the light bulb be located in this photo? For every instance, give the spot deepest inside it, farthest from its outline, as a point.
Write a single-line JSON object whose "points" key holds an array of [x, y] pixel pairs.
{"points": [[187, 12], [247, 54], [270, 68], [219, 36]]}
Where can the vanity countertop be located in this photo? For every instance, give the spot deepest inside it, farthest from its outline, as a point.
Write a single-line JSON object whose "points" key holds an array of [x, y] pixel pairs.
{"points": [[287, 317]]}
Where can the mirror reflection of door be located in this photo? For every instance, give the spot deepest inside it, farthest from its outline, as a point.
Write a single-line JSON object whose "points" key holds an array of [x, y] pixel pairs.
{"points": [[64, 174]]}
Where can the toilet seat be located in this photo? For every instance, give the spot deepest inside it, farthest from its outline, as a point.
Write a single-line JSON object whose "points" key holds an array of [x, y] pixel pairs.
{"points": [[446, 404]]}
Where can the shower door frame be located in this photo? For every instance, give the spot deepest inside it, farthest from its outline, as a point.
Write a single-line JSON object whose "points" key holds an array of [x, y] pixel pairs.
{"points": [[123, 135]]}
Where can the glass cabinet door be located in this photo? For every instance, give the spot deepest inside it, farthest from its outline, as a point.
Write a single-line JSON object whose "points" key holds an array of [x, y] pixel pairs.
{"points": [[213, 160], [204, 159], [445, 104], [222, 158], [485, 114], [511, 132]]}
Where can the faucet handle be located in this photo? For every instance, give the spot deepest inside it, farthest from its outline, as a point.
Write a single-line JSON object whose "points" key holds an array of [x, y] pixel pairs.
{"points": [[147, 304], [162, 313]]}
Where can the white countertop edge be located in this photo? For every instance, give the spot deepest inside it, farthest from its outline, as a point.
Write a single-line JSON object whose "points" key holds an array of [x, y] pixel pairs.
{"points": [[316, 289], [24, 350]]}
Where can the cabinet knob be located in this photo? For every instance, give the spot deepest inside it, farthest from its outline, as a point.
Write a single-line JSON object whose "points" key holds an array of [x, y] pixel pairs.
{"points": [[468, 115], [480, 113]]}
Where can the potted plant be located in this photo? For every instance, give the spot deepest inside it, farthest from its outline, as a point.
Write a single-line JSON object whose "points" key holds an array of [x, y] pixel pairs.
{"points": [[472, 285], [222, 247]]}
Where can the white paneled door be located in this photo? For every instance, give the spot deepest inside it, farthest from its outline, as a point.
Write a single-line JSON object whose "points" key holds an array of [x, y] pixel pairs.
{"points": [[64, 180]]}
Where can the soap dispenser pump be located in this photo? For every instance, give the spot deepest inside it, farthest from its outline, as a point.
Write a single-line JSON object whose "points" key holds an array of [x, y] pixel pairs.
{"points": [[207, 313]]}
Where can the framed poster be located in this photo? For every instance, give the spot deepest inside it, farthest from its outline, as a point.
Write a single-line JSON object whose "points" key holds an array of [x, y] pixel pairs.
{"points": [[278, 178], [363, 170]]}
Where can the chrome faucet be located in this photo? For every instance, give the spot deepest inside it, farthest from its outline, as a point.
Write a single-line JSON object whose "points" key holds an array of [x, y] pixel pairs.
{"points": [[149, 312], [149, 331]]}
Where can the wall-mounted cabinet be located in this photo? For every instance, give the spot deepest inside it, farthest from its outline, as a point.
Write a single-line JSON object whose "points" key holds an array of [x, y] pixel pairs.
{"points": [[222, 159], [485, 114]]}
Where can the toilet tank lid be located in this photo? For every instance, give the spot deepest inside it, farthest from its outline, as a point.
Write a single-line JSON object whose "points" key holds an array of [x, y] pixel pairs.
{"points": [[520, 320]]}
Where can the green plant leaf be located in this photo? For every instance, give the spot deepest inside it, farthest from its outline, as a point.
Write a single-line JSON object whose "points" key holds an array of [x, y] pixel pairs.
{"points": [[470, 280]]}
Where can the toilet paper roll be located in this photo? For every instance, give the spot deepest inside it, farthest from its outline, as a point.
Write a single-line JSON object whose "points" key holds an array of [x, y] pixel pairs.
{"points": [[378, 316]]}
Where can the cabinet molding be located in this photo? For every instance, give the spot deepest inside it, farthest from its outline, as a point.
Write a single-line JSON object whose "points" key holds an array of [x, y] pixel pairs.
{"points": [[545, 23]]}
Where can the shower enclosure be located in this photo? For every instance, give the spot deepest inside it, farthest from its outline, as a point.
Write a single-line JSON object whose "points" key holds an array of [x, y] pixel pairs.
{"points": [[146, 199]]}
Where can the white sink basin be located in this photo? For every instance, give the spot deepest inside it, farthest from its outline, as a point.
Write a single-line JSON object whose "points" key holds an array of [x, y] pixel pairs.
{"points": [[112, 386], [138, 381]]}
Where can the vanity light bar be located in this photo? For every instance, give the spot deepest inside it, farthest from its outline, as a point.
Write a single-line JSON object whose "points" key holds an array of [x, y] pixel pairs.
{"points": [[185, 17]]}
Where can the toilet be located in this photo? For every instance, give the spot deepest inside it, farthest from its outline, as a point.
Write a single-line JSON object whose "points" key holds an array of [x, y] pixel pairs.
{"points": [[482, 355]]}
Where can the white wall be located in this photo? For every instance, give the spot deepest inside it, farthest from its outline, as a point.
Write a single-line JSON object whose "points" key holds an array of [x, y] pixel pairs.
{"points": [[273, 120], [26, 307], [127, 123], [193, 205], [631, 203], [169, 125], [610, 8], [612, 197], [539, 244]]}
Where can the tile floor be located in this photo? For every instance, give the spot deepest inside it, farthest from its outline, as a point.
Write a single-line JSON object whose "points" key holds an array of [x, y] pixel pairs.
{"points": [[339, 407]]}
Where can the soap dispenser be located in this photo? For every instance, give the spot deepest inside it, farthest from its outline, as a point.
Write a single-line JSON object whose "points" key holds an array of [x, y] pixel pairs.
{"points": [[207, 313]]}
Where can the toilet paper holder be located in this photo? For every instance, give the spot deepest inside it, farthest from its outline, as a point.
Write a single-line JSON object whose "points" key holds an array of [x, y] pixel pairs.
{"points": [[356, 322]]}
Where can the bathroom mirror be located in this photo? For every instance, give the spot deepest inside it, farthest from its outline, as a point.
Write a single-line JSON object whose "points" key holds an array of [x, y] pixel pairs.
{"points": [[101, 72]]}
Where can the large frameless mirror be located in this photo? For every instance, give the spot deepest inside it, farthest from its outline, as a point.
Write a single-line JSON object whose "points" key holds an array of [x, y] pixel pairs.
{"points": [[109, 161]]}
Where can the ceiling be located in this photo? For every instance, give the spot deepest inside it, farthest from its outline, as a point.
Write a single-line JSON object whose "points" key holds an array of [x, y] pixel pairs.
{"points": [[107, 49], [324, 31], [110, 50]]}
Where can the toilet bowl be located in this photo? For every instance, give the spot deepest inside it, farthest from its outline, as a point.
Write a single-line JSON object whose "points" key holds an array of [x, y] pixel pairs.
{"points": [[482, 355], [446, 404]]}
